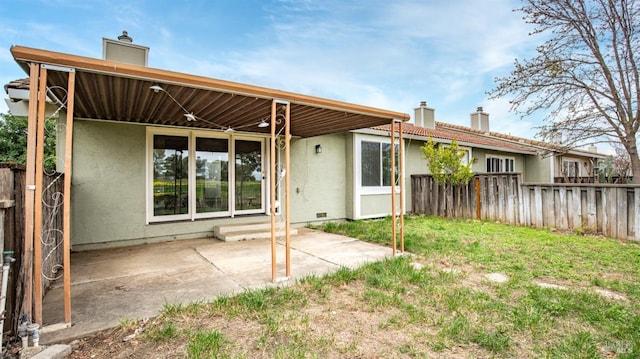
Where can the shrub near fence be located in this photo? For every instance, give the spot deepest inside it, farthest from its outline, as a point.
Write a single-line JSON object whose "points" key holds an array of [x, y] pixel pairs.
{"points": [[612, 210]]}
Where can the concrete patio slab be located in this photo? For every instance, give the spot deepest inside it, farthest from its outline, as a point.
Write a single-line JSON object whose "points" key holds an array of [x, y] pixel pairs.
{"points": [[109, 286]]}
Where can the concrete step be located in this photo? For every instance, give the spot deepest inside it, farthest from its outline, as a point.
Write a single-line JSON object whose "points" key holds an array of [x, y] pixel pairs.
{"points": [[241, 232]]}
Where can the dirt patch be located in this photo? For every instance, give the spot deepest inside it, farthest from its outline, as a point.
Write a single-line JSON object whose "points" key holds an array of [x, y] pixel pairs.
{"points": [[337, 321]]}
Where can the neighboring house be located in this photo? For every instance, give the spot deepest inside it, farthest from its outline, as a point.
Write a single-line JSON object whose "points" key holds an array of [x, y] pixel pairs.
{"points": [[490, 152]]}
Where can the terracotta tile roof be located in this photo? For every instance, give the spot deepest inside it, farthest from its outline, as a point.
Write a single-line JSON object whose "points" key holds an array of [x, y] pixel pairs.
{"points": [[499, 141], [442, 131], [21, 84]]}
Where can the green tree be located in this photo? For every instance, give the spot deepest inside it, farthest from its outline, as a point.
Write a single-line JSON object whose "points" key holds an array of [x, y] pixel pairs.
{"points": [[585, 73], [445, 162], [606, 170], [13, 140]]}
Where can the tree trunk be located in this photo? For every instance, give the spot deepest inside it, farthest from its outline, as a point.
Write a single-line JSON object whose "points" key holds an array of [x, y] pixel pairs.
{"points": [[635, 168], [450, 206], [632, 149]]}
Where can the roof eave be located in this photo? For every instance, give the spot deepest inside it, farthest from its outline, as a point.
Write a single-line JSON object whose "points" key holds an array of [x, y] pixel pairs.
{"points": [[373, 131], [22, 55]]}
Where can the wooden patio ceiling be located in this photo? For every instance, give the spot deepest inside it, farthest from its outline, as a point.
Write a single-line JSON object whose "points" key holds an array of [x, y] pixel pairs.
{"points": [[113, 91]]}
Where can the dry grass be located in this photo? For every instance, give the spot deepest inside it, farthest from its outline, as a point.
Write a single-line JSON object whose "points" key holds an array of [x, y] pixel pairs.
{"points": [[443, 308]]}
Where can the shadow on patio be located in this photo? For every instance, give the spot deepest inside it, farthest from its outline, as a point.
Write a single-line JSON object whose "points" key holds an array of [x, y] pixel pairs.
{"points": [[135, 282]]}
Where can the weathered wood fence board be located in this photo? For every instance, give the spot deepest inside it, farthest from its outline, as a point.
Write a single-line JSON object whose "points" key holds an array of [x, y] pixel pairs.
{"points": [[13, 175], [612, 210]]}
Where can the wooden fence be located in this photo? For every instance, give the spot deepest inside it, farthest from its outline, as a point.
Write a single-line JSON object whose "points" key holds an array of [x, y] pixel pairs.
{"points": [[611, 210], [12, 187]]}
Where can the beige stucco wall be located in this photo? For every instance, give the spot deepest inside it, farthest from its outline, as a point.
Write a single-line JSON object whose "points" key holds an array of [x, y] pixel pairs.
{"points": [[349, 178], [318, 183], [537, 169], [376, 205]]}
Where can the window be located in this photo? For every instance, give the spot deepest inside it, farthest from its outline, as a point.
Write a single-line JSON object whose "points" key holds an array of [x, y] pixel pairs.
{"points": [[170, 178], [248, 178], [500, 164], [570, 168], [212, 175], [466, 157], [375, 159], [198, 174]]}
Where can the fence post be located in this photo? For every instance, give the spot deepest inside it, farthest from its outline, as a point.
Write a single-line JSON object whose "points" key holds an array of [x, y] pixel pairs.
{"points": [[636, 213], [478, 204], [4, 205]]}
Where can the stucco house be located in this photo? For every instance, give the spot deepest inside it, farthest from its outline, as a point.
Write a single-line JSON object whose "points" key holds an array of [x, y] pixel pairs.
{"points": [[161, 156], [490, 152], [152, 155]]}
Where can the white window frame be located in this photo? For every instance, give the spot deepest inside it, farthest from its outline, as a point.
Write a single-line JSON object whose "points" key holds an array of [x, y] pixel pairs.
{"points": [[192, 179], [503, 160], [361, 191], [465, 160], [191, 136], [365, 190], [151, 132], [570, 160], [265, 174]]}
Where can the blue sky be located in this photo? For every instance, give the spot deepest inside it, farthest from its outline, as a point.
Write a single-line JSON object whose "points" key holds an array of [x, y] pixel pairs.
{"points": [[386, 54]]}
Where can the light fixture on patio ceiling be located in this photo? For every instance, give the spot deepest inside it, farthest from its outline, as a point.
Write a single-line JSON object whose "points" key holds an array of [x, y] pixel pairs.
{"points": [[265, 121], [189, 115]]}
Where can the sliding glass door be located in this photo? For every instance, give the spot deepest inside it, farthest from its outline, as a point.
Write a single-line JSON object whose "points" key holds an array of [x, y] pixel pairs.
{"points": [[249, 176], [198, 174], [212, 175], [170, 176]]}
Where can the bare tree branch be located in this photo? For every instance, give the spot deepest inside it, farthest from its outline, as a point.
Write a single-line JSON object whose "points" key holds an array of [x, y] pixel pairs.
{"points": [[585, 74]]}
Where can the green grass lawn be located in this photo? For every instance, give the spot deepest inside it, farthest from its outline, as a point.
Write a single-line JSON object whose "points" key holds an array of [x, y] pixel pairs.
{"points": [[434, 303]]}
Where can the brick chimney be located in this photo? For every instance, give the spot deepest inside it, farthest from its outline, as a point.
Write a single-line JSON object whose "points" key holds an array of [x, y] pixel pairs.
{"points": [[124, 50], [424, 116], [480, 120]]}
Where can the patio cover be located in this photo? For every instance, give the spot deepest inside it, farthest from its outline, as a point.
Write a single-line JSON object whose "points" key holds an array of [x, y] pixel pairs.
{"points": [[113, 91], [106, 90]]}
